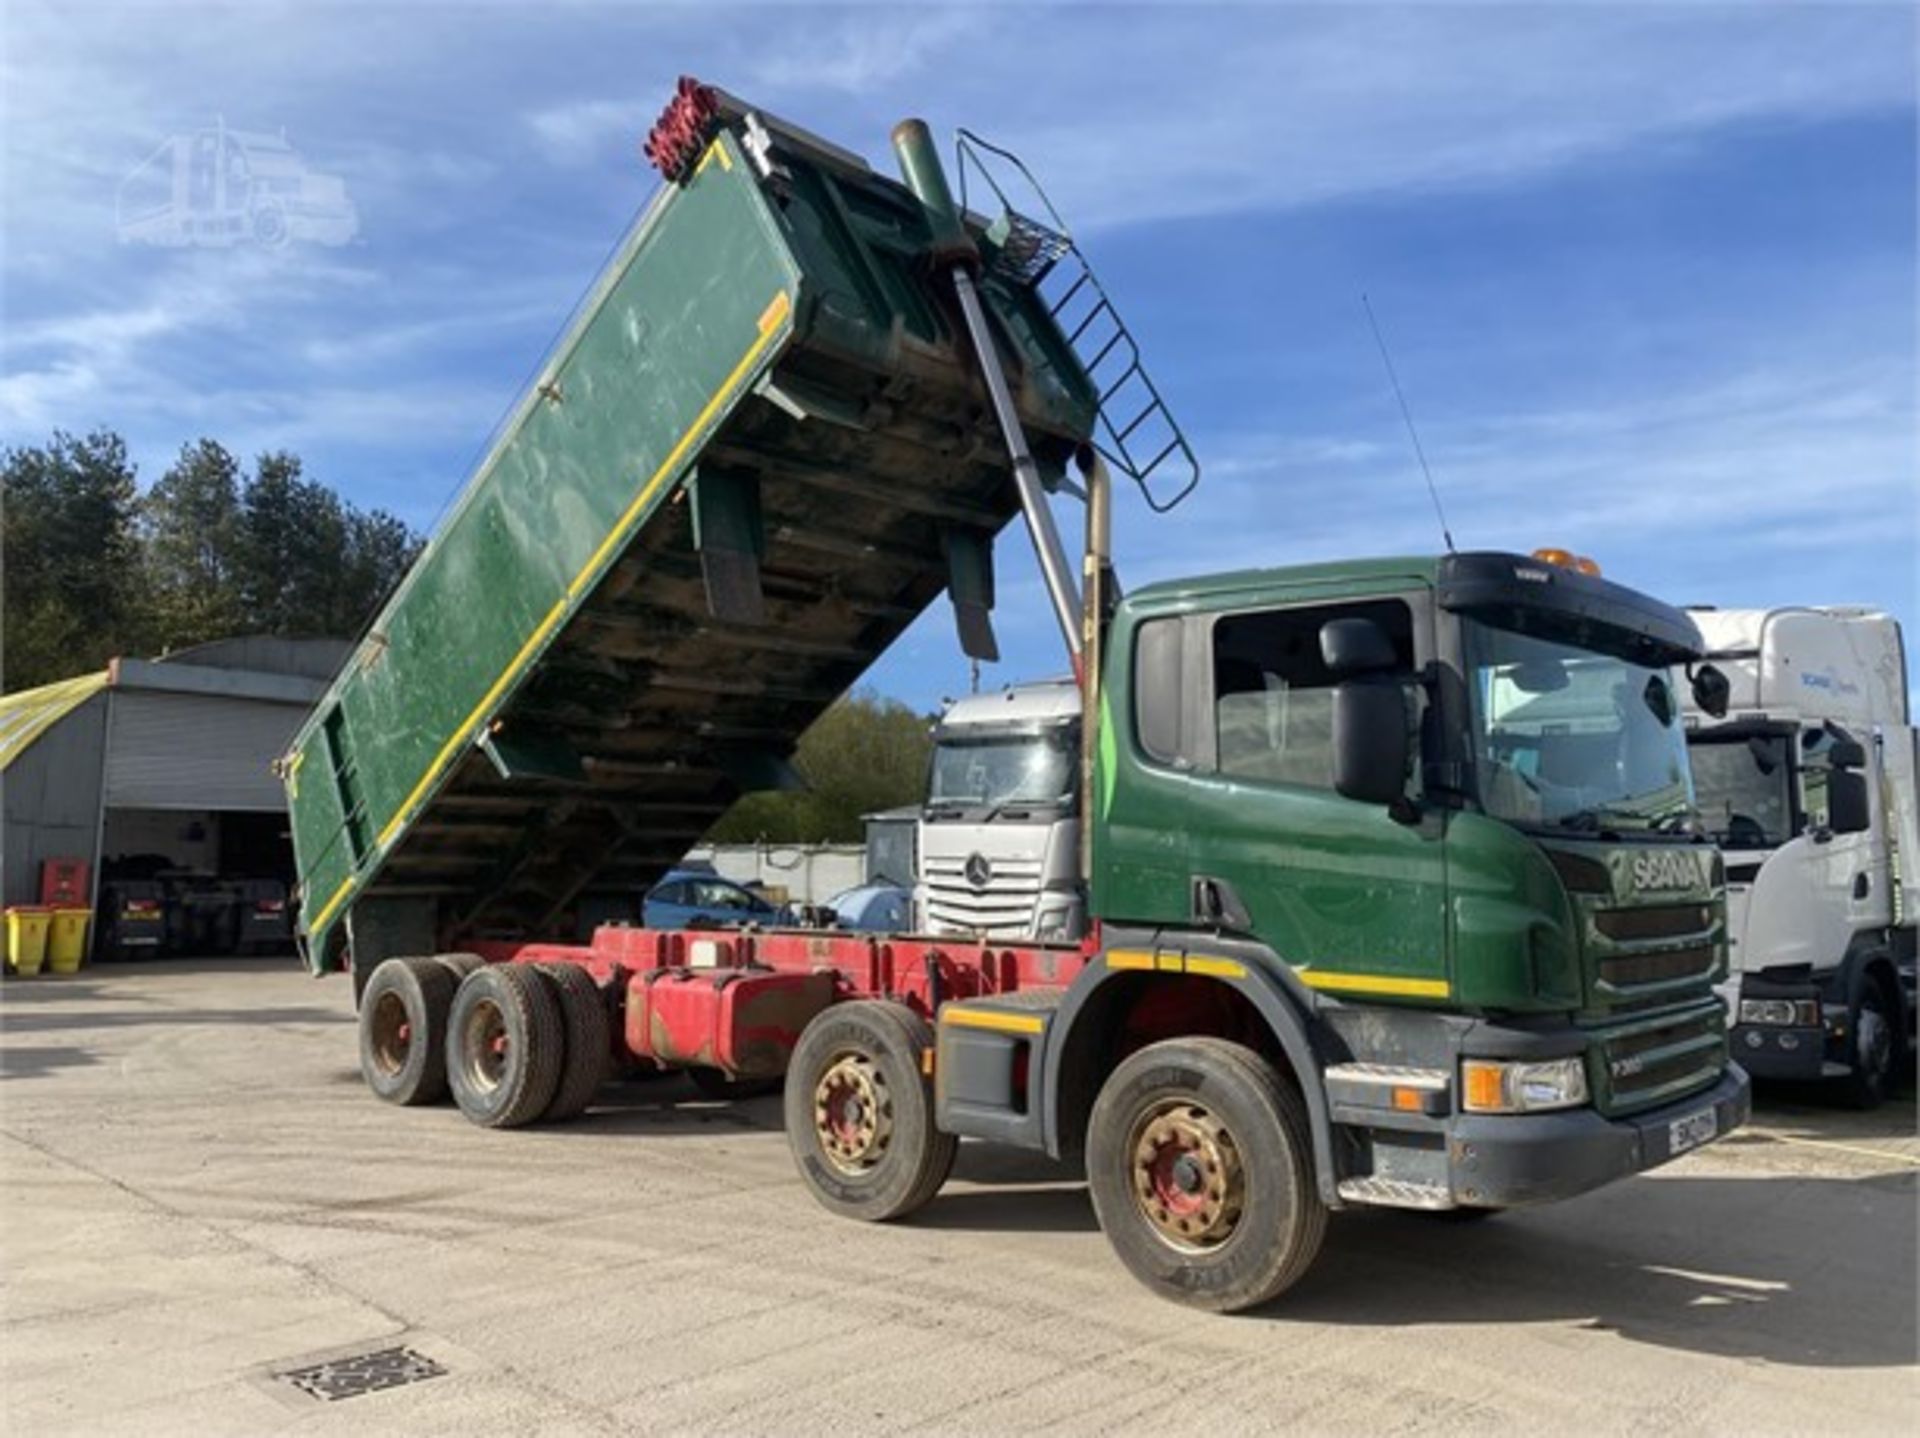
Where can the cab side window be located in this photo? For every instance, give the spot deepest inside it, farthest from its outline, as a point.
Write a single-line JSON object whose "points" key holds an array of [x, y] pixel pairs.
{"points": [[1273, 694]]}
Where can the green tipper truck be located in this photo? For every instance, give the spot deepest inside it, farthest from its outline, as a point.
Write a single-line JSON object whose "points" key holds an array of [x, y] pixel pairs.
{"points": [[1395, 889]]}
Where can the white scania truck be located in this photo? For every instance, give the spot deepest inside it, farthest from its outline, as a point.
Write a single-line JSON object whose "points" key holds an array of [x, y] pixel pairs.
{"points": [[1807, 786], [1000, 830]]}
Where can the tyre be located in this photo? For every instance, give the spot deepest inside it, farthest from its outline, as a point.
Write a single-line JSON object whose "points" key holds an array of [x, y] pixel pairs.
{"points": [[715, 1083], [506, 1045], [859, 1114], [459, 965], [589, 1044], [1200, 1163], [403, 1025], [1876, 1042]]}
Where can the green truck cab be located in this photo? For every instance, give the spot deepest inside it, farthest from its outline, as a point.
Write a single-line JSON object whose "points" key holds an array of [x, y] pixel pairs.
{"points": [[1417, 831]]}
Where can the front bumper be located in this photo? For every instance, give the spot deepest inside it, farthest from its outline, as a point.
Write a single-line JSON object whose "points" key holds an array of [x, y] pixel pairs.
{"points": [[1770, 1051], [1510, 1160]]}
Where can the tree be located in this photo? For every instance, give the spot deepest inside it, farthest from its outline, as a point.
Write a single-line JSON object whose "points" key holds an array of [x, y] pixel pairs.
{"points": [[191, 532], [310, 563], [865, 753], [72, 585], [381, 549], [93, 569]]}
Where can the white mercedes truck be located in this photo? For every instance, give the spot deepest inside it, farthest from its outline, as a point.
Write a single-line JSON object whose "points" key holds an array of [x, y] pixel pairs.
{"points": [[999, 843], [1807, 786]]}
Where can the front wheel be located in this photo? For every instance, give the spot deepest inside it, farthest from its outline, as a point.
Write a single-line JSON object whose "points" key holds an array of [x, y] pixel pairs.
{"points": [[1200, 1163], [1875, 1043], [859, 1114]]}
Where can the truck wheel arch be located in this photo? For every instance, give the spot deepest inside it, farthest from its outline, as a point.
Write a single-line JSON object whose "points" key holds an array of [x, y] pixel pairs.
{"points": [[1077, 1061]]}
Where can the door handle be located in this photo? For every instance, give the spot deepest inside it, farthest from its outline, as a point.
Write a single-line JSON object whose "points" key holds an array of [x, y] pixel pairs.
{"points": [[1216, 905]]}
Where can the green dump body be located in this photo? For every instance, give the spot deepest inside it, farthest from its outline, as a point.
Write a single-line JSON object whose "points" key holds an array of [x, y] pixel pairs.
{"points": [[758, 453]]}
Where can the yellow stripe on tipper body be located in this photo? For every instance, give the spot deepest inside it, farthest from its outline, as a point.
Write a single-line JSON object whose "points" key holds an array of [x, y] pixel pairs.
{"points": [[319, 920], [992, 1019], [771, 325], [1337, 983]]}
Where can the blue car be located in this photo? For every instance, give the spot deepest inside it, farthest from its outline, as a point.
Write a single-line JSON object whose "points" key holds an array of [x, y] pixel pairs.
{"points": [[874, 909], [685, 899]]}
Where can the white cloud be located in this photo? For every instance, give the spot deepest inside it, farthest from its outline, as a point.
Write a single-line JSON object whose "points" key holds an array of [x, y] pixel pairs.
{"points": [[577, 131], [1162, 115], [872, 50], [1724, 469]]}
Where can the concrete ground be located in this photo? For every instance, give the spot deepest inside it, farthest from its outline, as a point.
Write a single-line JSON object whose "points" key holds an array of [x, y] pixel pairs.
{"points": [[196, 1193]]}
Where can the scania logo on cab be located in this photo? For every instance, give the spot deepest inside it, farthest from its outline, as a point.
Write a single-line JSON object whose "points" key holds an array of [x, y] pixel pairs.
{"points": [[1665, 869]]}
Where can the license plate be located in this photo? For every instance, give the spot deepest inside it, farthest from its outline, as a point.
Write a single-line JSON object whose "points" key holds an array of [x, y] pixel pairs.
{"points": [[1691, 1131]]}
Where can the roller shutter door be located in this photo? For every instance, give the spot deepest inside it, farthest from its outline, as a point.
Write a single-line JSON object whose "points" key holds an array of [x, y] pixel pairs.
{"points": [[190, 751]]}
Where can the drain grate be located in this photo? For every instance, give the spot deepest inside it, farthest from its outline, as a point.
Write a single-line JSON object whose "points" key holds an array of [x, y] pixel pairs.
{"points": [[360, 1373]]}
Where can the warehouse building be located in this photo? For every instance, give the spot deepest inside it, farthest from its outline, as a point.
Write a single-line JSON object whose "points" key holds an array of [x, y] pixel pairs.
{"points": [[156, 769]]}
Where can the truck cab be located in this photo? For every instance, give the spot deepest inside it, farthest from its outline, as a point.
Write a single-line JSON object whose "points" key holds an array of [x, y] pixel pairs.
{"points": [[1807, 786], [1422, 831], [999, 847]]}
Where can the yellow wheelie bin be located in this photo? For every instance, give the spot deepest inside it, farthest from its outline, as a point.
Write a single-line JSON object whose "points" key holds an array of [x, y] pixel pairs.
{"points": [[27, 926], [67, 940]]}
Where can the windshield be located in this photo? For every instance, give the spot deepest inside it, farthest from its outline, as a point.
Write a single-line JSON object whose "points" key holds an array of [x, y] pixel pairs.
{"points": [[1571, 739], [1004, 769], [1744, 788]]}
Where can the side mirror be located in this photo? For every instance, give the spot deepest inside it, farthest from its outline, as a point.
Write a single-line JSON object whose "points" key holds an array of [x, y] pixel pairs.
{"points": [[1370, 743], [1847, 754], [1848, 811], [1355, 646], [1712, 690]]}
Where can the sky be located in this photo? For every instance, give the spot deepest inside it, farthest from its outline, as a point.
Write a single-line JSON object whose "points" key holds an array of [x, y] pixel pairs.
{"points": [[1647, 271]]}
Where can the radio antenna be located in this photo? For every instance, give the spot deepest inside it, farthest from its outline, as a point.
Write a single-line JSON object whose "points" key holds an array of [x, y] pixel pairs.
{"points": [[1406, 414]]}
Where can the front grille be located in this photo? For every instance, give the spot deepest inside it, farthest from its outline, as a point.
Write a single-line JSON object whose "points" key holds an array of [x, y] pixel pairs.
{"points": [[1003, 909], [1630, 970], [1664, 1060], [1667, 921]]}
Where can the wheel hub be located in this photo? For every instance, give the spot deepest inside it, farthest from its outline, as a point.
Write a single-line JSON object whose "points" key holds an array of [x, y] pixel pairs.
{"points": [[392, 1034], [484, 1046], [852, 1113], [1187, 1176]]}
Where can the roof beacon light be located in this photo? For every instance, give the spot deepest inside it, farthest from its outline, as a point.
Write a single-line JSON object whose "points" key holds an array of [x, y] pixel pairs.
{"points": [[1567, 559]]}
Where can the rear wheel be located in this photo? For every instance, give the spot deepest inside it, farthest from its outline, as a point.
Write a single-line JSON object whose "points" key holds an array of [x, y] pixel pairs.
{"points": [[403, 1024], [583, 1013], [859, 1113], [1200, 1164], [505, 1045], [459, 965]]}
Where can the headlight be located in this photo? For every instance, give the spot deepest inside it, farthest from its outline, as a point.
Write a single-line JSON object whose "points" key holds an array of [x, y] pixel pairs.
{"points": [[1493, 1086], [1782, 1013], [1052, 924]]}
